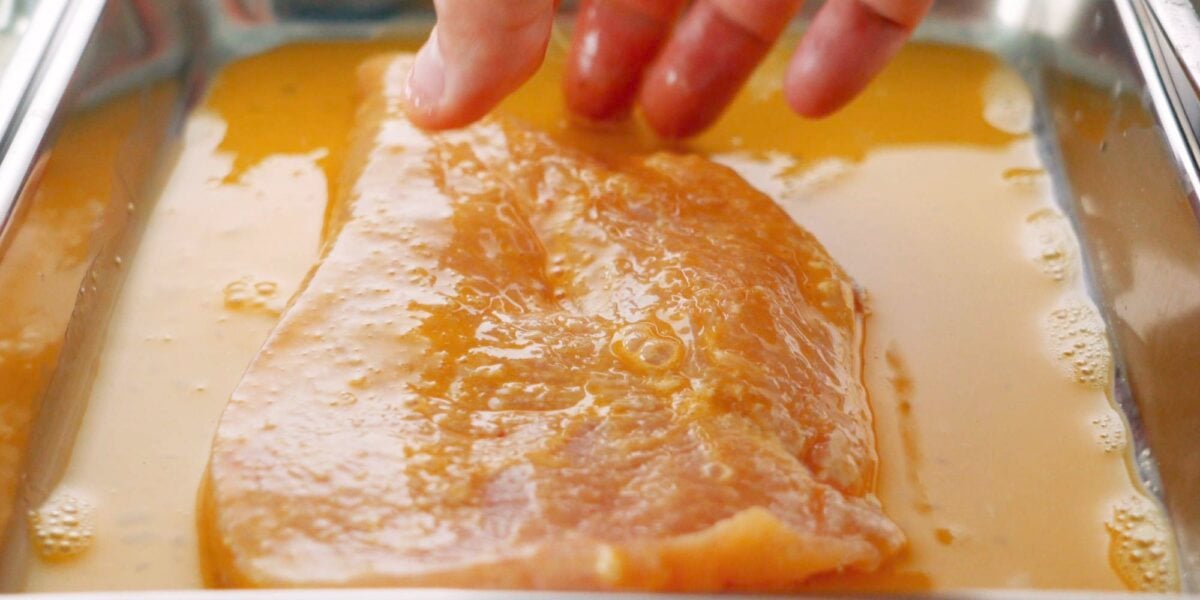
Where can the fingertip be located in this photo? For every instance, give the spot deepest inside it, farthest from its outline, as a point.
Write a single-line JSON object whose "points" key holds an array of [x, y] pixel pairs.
{"points": [[595, 94], [812, 107], [664, 127], [847, 45], [806, 98], [711, 53], [668, 117], [439, 96], [476, 56], [424, 86], [614, 41]]}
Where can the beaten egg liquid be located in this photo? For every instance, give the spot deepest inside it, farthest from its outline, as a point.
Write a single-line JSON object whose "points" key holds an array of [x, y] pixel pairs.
{"points": [[1000, 454]]}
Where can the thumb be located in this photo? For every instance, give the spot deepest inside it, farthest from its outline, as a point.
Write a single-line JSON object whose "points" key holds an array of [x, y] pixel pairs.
{"points": [[479, 52]]}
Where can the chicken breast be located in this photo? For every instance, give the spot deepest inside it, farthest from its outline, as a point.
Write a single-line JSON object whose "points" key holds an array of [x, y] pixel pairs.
{"points": [[518, 365]]}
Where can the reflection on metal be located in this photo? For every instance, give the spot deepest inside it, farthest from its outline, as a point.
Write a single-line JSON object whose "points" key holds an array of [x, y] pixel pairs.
{"points": [[45, 61], [1180, 25]]}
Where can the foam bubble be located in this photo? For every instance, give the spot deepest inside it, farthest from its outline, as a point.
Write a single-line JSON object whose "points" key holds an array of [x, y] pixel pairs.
{"points": [[1110, 432], [1007, 102], [801, 179], [250, 295], [1049, 242], [717, 470], [62, 527], [944, 536], [1024, 178], [24, 344], [1077, 335], [344, 399], [643, 347], [1140, 546]]}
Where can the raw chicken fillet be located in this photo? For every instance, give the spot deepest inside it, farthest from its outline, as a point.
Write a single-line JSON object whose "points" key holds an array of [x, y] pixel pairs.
{"points": [[521, 365]]}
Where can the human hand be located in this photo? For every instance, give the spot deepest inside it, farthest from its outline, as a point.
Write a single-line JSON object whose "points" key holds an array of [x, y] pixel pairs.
{"points": [[682, 67]]}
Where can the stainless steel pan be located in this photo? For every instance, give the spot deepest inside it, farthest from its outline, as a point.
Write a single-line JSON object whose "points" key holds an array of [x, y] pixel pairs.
{"points": [[1131, 195]]}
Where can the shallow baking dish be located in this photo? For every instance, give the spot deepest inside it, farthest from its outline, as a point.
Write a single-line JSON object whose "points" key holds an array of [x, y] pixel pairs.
{"points": [[1131, 193]]}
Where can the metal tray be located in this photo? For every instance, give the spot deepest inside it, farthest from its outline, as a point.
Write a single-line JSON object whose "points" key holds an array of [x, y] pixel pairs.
{"points": [[1131, 194]]}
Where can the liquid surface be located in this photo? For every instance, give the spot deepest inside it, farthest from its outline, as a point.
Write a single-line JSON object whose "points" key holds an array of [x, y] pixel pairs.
{"points": [[175, 350], [996, 462]]}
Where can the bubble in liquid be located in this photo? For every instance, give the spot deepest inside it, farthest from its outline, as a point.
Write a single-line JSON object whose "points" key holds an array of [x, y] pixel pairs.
{"points": [[344, 399], [1140, 546], [358, 380], [1007, 102], [23, 346], [1049, 241], [800, 178], [944, 536], [1077, 335], [717, 470], [247, 294], [643, 347], [1110, 432], [1024, 178], [62, 527]]}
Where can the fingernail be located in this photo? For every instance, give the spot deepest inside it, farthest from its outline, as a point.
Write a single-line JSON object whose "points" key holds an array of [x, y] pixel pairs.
{"points": [[427, 80]]}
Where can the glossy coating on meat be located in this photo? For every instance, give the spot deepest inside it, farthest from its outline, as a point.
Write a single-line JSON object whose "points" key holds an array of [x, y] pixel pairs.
{"points": [[520, 365]]}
